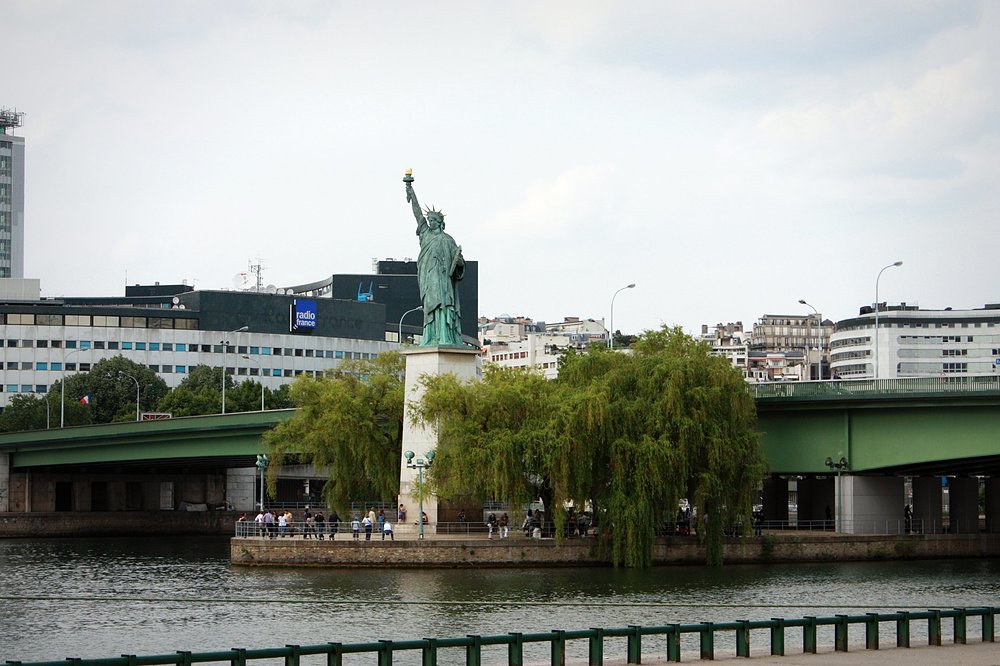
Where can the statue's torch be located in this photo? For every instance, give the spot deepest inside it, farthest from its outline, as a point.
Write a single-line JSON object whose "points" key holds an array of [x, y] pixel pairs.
{"points": [[408, 178]]}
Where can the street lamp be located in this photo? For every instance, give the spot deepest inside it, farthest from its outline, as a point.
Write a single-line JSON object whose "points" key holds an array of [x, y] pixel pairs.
{"points": [[262, 461], [225, 344], [611, 333], [62, 390], [819, 340], [875, 367], [122, 374], [260, 372], [419, 307], [840, 466], [419, 464]]}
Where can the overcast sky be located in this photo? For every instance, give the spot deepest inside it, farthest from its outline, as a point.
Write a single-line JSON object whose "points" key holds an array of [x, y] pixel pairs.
{"points": [[729, 158]]}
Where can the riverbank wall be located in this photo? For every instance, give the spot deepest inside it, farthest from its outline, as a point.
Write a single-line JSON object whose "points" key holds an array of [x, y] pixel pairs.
{"points": [[117, 523], [517, 552]]}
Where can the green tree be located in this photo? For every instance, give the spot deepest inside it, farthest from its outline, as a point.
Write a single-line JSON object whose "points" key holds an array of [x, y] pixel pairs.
{"points": [[27, 411], [629, 433], [110, 385], [200, 392], [349, 422]]}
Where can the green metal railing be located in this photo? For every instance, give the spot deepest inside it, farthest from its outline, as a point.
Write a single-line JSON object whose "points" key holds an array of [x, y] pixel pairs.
{"points": [[867, 389], [634, 639]]}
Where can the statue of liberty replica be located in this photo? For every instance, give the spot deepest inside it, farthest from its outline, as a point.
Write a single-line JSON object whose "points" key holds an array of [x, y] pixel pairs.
{"points": [[440, 266]]}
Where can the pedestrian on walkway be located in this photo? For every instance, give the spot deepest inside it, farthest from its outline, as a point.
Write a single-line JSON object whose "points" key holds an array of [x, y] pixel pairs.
{"points": [[356, 527], [387, 529], [367, 524]]}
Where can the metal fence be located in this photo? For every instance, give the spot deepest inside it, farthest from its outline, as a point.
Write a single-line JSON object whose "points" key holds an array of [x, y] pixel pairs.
{"points": [[854, 389], [670, 636]]}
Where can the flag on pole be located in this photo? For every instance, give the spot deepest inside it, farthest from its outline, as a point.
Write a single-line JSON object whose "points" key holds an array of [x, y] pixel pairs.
{"points": [[85, 400]]}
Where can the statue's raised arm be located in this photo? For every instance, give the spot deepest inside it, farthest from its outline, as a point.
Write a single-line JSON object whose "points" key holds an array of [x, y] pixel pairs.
{"points": [[411, 198]]}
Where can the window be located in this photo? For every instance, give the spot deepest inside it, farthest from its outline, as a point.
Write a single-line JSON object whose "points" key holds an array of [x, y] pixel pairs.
{"points": [[23, 319], [181, 346], [298, 352], [309, 353], [154, 346], [242, 349], [56, 344], [166, 369], [85, 344], [154, 368], [27, 365], [112, 344], [56, 365], [84, 367], [254, 350], [98, 344], [180, 369], [49, 320], [70, 344], [160, 322], [216, 349], [71, 367], [41, 344], [41, 388], [190, 324], [12, 343], [265, 351], [11, 388], [41, 365], [102, 320], [25, 388], [127, 346], [205, 348], [140, 346], [78, 320], [133, 322], [276, 372], [167, 346]]}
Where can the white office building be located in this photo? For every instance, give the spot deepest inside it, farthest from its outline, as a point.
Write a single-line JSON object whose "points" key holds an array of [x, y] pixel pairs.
{"points": [[911, 342], [11, 196]]}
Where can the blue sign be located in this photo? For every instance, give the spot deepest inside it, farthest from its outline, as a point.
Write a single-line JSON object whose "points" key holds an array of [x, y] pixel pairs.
{"points": [[303, 314]]}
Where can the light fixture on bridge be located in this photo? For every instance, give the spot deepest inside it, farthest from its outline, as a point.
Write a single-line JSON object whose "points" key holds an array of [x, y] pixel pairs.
{"points": [[840, 466], [836, 465]]}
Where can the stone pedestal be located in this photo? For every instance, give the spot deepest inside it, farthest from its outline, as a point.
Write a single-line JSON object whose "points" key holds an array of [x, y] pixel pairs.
{"points": [[465, 364]]}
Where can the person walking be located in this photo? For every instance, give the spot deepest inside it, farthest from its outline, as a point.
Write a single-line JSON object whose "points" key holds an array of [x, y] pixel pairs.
{"points": [[258, 522], [320, 521], [334, 525]]}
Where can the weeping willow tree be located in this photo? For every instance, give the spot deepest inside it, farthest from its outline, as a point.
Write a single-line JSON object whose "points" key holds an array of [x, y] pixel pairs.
{"points": [[349, 422], [629, 433]]}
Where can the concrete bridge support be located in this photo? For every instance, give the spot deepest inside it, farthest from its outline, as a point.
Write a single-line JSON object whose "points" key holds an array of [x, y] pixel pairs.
{"points": [[993, 505], [775, 497], [963, 505], [817, 503], [927, 512], [4, 482], [243, 488], [872, 504]]}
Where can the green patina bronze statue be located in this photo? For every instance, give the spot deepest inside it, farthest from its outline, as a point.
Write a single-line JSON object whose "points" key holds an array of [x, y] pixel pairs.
{"points": [[440, 266]]}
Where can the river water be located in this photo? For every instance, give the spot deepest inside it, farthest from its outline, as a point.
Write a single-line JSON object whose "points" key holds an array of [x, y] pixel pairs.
{"points": [[106, 597]]}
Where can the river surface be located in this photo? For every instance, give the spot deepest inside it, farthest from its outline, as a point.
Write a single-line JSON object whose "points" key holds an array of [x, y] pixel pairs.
{"points": [[107, 597]]}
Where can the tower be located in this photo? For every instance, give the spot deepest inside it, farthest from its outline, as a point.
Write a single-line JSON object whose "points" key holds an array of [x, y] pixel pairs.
{"points": [[11, 195]]}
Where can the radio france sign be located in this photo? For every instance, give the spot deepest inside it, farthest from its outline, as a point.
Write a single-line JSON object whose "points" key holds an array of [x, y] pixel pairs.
{"points": [[303, 314]]}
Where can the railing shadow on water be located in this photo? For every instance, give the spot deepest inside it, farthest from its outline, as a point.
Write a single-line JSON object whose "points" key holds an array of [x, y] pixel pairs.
{"points": [[673, 636]]}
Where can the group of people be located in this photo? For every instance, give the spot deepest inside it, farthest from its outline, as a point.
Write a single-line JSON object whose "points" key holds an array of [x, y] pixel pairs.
{"points": [[277, 524], [493, 524], [369, 522]]}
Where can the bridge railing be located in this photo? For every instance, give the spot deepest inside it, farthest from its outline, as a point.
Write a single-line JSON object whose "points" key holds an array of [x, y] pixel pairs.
{"points": [[383, 651], [853, 389]]}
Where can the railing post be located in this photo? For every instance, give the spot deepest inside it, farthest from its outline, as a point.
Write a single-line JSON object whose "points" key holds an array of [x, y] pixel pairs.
{"points": [[183, 658], [778, 637], [840, 634], [474, 651], [130, 659], [239, 657], [558, 648], [292, 659], [809, 635], [743, 639], [335, 657], [871, 631], [596, 656], [707, 634], [934, 628], [429, 653], [515, 649], [988, 624], [385, 653], [634, 644], [673, 642], [960, 625], [903, 629]]}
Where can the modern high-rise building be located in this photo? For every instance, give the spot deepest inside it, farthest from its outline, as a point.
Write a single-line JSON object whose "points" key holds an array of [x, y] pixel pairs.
{"points": [[11, 196]]}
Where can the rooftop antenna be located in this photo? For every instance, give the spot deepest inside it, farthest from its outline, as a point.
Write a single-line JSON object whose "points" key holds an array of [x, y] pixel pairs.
{"points": [[257, 270], [9, 119]]}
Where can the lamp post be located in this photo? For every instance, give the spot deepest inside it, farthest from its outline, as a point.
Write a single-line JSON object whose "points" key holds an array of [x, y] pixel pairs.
{"points": [[611, 333], [875, 366], [260, 373], [225, 344], [819, 340], [62, 389], [840, 466], [262, 461], [419, 464], [122, 374], [419, 307]]}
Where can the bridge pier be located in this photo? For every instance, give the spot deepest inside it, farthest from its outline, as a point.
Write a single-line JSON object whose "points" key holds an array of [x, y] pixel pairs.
{"points": [[963, 505], [872, 504], [928, 515], [993, 504], [775, 498], [4, 482]]}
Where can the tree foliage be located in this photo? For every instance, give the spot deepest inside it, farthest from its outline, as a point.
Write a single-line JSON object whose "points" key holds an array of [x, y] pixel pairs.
{"points": [[200, 392], [349, 422], [629, 433]]}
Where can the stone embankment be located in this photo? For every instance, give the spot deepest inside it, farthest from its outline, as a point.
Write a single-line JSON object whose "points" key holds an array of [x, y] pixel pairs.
{"points": [[442, 551], [117, 523]]}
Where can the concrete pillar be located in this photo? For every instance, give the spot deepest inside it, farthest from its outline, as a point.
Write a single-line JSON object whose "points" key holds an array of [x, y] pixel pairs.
{"points": [[4, 482], [993, 505], [963, 505], [242, 488], [927, 513], [775, 499], [816, 502], [465, 364], [872, 504]]}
